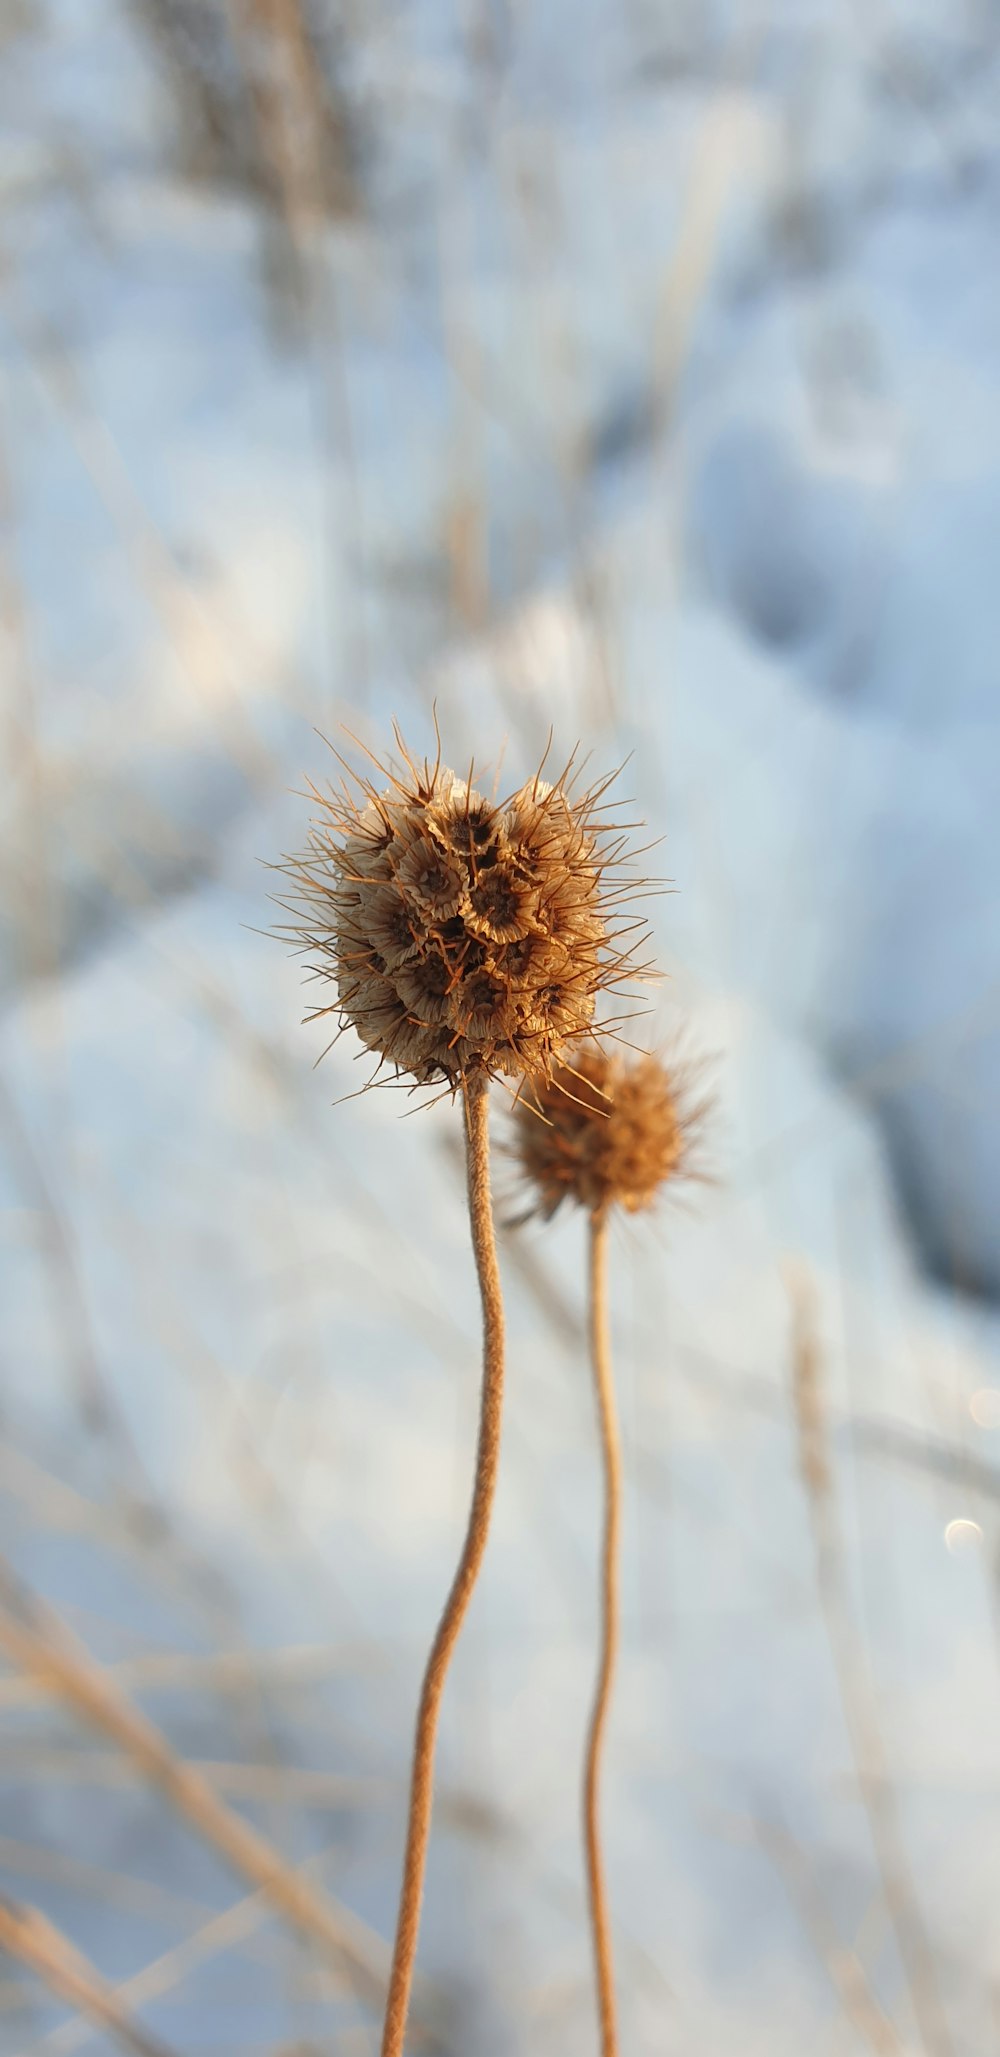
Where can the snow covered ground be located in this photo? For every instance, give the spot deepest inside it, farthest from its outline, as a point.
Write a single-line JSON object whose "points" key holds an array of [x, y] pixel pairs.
{"points": [[650, 393]]}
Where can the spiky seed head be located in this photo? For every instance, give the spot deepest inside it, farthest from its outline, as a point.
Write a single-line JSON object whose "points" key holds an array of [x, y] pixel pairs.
{"points": [[460, 934], [607, 1128]]}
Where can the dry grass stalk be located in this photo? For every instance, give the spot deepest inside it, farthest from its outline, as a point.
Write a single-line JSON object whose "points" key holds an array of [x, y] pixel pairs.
{"points": [[449, 1627], [853, 1681], [26, 1934], [269, 1784], [39, 1643], [221, 1671], [236, 1928], [259, 100], [466, 549], [603, 1131], [98, 1406], [286, 102], [842, 1963], [600, 1353], [214, 653], [810, 1414]]}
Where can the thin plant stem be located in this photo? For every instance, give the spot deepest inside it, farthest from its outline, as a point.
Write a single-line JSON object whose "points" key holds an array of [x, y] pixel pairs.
{"points": [[38, 1642], [854, 1684], [600, 1356], [27, 1935], [473, 1549]]}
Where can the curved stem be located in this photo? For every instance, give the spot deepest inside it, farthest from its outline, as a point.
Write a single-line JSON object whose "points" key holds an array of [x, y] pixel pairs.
{"points": [[600, 1354], [456, 1605]]}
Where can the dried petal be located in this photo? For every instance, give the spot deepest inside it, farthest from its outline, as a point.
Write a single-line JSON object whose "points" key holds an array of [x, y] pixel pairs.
{"points": [[501, 907], [431, 878]]}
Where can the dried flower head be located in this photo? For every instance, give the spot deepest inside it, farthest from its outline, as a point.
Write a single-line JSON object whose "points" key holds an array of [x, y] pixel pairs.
{"points": [[608, 1128], [463, 934]]}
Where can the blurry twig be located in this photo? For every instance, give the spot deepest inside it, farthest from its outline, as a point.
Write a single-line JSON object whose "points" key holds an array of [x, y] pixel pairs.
{"points": [[26, 1934], [216, 659], [98, 1405], [38, 1641], [272, 44], [145, 1523], [853, 1682], [843, 1965], [232, 1928], [261, 1782], [906, 1445], [221, 1671], [197, 1583], [38, 925], [119, 1889], [260, 101], [718, 159], [308, 156]]}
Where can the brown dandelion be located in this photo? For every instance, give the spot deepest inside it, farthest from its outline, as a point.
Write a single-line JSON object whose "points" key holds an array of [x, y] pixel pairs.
{"points": [[605, 1129], [462, 939]]}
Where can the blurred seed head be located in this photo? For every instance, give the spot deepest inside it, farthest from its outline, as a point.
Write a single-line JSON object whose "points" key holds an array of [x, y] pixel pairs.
{"points": [[460, 934], [608, 1128]]}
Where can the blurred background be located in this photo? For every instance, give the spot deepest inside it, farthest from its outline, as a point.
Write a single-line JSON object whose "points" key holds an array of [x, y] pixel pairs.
{"points": [[631, 369]]}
